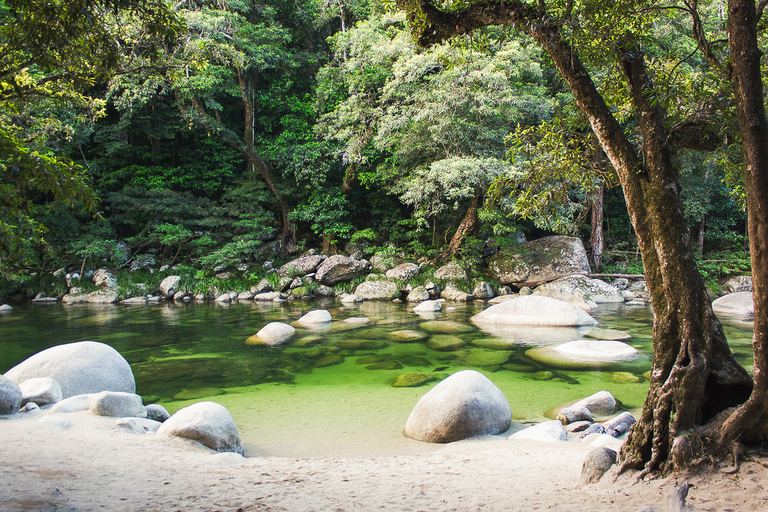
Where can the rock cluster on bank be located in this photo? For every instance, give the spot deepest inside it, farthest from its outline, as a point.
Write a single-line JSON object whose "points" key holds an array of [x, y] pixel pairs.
{"points": [[93, 377]]}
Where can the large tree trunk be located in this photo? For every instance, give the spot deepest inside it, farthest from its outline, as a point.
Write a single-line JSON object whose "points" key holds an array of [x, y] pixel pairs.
{"points": [[749, 422], [694, 375]]}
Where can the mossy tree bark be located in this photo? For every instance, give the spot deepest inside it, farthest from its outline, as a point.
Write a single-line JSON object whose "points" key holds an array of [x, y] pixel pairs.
{"points": [[694, 375]]}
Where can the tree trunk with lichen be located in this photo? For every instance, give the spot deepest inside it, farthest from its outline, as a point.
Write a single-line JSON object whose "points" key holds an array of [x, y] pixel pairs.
{"points": [[694, 375]]}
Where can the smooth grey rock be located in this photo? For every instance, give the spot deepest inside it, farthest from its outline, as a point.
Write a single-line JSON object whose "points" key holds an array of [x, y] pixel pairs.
{"points": [[582, 291], [739, 303], [534, 310], [208, 423], [403, 272], [272, 335], [583, 354], [317, 316], [619, 425], [102, 297], [138, 425], [339, 269], [451, 271], [601, 403], [301, 266], [10, 396], [595, 428], [540, 261], [134, 300], [79, 368], [114, 403], [377, 290], [40, 390], [573, 414], [466, 404], [5, 308], [451, 292], [56, 422], [169, 286], [483, 291], [548, 432], [269, 296], [597, 463], [75, 298], [72, 404], [429, 306], [351, 298], [157, 412], [246, 295], [418, 294]]}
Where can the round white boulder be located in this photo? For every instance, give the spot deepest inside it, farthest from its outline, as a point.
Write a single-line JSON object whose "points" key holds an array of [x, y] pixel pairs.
{"points": [[273, 334], [583, 354], [534, 310], [466, 404], [208, 423], [79, 368], [317, 316], [739, 303]]}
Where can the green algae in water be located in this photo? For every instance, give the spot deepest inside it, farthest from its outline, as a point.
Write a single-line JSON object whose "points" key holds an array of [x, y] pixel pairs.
{"points": [[284, 399]]}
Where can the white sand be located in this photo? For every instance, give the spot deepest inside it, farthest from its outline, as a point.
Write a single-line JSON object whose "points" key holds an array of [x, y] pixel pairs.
{"points": [[93, 465]]}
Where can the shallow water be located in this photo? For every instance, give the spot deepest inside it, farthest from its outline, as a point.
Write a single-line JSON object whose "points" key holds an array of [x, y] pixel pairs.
{"points": [[329, 392]]}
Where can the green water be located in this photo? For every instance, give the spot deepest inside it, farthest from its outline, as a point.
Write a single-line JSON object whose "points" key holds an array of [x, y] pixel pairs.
{"points": [[329, 392]]}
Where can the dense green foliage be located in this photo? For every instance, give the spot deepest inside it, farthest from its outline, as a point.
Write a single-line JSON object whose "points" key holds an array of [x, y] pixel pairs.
{"points": [[197, 131]]}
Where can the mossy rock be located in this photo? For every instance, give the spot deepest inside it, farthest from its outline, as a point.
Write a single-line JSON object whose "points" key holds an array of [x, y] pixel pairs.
{"points": [[407, 336], [447, 356], [300, 291], [491, 343], [372, 334], [385, 365], [414, 361], [542, 375], [308, 341], [372, 359], [445, 343], [624, 378], [608, 334], [413, 380], [446, 327], [484, 358], [329, 360], [361, 344], [196, 394], [522, 368]]}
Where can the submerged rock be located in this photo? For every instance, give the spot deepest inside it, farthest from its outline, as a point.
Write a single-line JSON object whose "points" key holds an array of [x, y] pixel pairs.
{"points": [[446, 327], [466, 404], [583, 354], [79, 368], [407, 336], [412, 380], [445, 342]]}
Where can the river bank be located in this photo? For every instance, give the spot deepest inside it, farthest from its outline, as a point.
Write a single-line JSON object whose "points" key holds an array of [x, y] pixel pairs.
{"points": [[94, 466]]}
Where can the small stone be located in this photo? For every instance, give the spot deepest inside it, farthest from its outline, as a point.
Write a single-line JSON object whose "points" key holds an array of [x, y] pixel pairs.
{"points": [[597, 463]]}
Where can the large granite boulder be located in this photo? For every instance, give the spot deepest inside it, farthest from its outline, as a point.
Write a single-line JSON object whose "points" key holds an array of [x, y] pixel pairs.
{"points": [[403, 272], [169, 286], [339, 269], [583, 354], [208, 423], [466, 404], [581, 291], [540, 261], [534, 310], [377, 290], [739, 304], [272, 335], [102, 297], [301, 266], [10, 396], [80, 368]]}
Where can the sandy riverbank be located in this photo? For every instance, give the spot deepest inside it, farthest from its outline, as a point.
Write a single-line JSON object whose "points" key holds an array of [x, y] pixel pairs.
{"points": [[93, 465]]}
